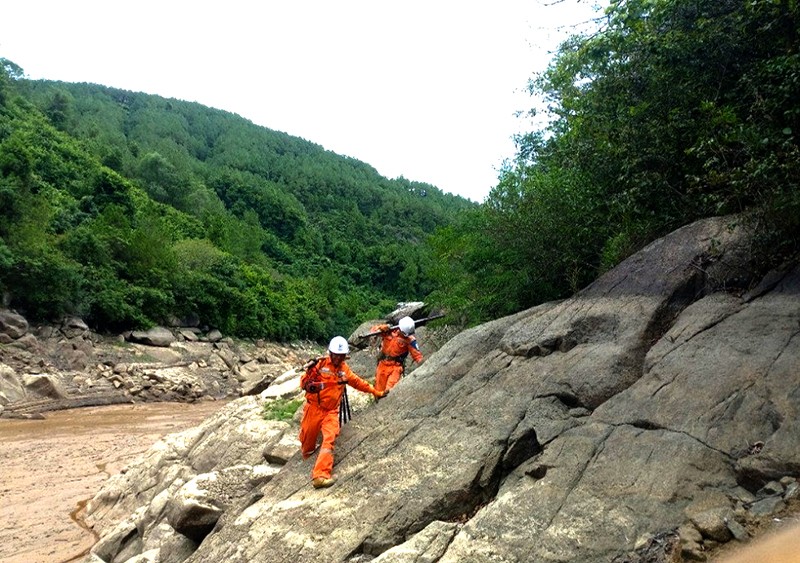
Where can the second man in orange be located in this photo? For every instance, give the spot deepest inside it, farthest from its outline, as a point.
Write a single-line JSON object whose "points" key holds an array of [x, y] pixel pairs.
{"points": [[396, 344]]}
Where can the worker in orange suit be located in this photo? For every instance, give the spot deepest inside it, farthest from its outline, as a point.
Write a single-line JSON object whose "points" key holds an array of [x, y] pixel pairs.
{"points": [[324, 383], [396, 344]]}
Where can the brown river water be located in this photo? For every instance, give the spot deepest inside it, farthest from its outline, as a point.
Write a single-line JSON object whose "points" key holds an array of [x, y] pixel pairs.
{"points": [[50, 468]]}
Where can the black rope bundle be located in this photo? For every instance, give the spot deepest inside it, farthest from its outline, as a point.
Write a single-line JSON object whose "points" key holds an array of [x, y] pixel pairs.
{"points": [[344, 409]]}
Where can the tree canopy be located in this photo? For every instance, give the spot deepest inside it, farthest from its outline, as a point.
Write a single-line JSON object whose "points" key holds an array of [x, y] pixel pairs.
{"points": [[128, 208], [131, 209], [672, 110]]}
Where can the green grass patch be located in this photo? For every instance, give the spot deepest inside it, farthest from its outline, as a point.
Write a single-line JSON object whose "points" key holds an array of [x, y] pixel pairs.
{"points": [[281, 409]]}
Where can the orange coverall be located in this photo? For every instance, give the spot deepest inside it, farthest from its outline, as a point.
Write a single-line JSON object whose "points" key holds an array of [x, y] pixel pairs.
{"points": [[324, 386], [395, 347]]}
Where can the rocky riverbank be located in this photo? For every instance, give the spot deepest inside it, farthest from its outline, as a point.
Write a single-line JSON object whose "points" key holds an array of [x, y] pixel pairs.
{"points": [[51, 376], [78, 408], [650, 418], [45, 368], [161, 381]]}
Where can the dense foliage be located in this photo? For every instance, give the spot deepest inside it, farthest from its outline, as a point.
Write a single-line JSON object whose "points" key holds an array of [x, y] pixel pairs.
{"points": [[672, 110], [130, 209]]}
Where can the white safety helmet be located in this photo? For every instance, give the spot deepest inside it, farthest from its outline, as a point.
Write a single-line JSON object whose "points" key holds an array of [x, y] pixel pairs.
{"points": [[338, 345], [406, 325]]}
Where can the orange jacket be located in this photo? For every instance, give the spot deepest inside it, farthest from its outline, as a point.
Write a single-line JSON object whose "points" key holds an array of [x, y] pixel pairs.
{"points": [[396, 346], [324, 384]]}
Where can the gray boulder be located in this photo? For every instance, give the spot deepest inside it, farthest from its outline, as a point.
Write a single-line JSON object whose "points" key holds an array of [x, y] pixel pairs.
{"points": [[501, 419], [11, 387], [156, 336], [12, 325], [74, 327], [44, 386], [406, 309], [195, 508]]}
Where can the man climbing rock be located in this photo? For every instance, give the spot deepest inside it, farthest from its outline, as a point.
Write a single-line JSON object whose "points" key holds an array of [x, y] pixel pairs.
{"points": [[324, 383], [396, 344]]}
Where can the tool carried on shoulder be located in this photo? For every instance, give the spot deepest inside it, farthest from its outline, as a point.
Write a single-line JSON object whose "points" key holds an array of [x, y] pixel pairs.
{"points": [[417, 322]]}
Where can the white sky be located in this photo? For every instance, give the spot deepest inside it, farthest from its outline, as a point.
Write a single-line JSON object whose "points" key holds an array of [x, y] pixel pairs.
{"points": [[425, 89]]}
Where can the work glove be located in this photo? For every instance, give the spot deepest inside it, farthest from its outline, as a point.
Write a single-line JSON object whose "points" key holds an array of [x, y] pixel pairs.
{"points": [[380, 394]]}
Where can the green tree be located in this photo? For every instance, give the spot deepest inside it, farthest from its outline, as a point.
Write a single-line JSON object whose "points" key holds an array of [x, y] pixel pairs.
{"points": [[670, 111], [159, 177], [8, 71], [60, 109], [677, 110]]}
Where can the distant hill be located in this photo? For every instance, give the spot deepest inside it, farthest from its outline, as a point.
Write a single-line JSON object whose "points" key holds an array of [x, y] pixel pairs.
{"points": [[130, 209]]}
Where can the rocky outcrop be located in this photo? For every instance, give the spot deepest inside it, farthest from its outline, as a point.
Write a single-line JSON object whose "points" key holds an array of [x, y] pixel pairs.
{"points": [[56, 367], [187, 480], [12, 326], [650, 417]]}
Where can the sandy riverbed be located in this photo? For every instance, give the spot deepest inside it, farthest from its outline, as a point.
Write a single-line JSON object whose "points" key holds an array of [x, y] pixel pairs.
{"points": [[49, 468]]}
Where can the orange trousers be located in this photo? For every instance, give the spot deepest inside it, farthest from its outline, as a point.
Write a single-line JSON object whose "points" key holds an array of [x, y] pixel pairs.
{"points": [[316, 420], [387, 374]]}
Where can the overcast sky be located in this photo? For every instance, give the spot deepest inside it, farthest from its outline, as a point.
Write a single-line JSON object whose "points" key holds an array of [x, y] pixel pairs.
{"points": [[425, 89]]}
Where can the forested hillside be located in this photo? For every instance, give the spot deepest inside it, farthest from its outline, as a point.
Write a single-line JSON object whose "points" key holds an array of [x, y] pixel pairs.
{"points": [[125, 207], [672, 110], [128, 209]]}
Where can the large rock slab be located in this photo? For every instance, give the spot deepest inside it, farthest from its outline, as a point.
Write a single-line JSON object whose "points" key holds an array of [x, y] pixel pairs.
{"points": [[727, 387], [574, 431]]}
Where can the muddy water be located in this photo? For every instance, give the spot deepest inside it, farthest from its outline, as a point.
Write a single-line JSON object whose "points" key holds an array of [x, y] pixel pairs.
{"points": [[49, 469]]}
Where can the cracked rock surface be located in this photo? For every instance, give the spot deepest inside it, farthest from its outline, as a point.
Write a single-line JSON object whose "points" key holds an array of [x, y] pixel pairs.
{"points": [[651, 417]]}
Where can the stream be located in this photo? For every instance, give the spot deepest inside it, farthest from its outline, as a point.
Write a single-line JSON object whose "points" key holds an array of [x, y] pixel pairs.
{"points": [[50, 469]]}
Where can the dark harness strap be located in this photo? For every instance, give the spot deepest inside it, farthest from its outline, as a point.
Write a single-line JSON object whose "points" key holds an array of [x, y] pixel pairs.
{"points": [[383, 357]]}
